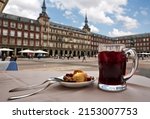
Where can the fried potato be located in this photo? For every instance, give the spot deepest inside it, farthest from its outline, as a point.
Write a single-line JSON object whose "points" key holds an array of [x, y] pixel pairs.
{"points": [[77, 71], [77, 76]]}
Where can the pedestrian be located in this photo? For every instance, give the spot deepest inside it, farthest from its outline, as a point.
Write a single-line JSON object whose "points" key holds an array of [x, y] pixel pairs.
{"points": [[38, 56], [84, 59], [78, 56], [12, 58], [15, 58], [68, 57], [4, 57]]}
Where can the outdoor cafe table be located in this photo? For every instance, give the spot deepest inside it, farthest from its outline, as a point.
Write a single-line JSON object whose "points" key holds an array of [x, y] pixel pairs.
{"points": [[8, 65], [138, 88]]}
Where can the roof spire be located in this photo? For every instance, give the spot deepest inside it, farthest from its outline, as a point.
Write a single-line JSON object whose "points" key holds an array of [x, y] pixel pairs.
{"points": [[44, 7], [86, 26], [86, 20], [43, 14]]}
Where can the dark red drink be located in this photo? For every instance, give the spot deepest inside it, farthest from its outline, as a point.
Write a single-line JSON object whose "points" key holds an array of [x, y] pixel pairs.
{"points": [[112, 66]]}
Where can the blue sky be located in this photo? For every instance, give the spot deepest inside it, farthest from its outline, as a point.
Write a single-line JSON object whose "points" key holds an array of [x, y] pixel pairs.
{"points": [[106, 17]]}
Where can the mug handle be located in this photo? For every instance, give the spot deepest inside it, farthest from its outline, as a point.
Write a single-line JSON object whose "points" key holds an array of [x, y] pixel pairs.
{"points": [[133, 55]]}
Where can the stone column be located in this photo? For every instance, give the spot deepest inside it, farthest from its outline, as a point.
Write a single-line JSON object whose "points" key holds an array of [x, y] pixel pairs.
{"points": [[53, 52]]}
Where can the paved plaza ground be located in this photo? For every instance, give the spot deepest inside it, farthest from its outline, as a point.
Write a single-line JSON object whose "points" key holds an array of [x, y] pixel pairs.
{"points": [[91, 64]]}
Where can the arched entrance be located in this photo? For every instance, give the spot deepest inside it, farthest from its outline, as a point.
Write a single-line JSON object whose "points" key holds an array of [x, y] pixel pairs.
{"points": [[56, 52], [50, 52], [61, 53]]}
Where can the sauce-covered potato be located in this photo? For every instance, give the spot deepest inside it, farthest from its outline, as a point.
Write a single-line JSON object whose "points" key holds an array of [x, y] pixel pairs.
{"points": [[77, 76]]}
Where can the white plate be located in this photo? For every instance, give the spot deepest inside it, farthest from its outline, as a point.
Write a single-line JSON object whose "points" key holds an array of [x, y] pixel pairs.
{"points": [[76, 84]]}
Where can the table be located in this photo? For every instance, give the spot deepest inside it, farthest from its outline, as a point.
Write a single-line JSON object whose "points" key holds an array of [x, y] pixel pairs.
{"points": [[138, 89], [8, 65]]}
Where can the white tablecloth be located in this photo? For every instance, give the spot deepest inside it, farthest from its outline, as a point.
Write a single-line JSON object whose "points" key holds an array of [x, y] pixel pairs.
{"points": [[138, 88], [8, 65], [4, 65]]}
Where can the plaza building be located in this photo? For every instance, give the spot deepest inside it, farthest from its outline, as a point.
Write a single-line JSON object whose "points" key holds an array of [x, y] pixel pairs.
{"points": [[20, 33], [141, 42], [3, 3]]}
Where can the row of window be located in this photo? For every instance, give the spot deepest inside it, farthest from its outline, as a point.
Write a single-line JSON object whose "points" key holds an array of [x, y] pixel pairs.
{"points": [[13, 33], [65, 32], [30, 35], [139, 44], [66, 39], [143, 44], [71, 46], [37, 28], [69, 33], [143, 48], [72, 35], [50, 44], [136, 40], [20, 26], [19, 42]]}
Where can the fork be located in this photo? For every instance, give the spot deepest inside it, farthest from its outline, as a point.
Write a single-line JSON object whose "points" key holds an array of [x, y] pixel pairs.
{"points": [[35, 92], [29, 94], [28, 87], [34, 86]]}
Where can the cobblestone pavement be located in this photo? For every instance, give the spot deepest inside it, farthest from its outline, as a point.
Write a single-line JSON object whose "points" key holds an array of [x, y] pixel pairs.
{"points": [[91, 64]]}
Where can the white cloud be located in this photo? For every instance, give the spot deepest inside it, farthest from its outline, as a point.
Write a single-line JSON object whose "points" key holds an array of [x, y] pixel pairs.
{"points": [[58, 4], [143, 12], [136, 13], [94, 29], [128, 22], [69, 15], [27, 8], [99, 11], [97, 17], [117, 32]]}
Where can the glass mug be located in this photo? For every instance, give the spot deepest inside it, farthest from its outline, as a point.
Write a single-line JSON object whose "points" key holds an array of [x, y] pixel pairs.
{"points": [[112, 60]]}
